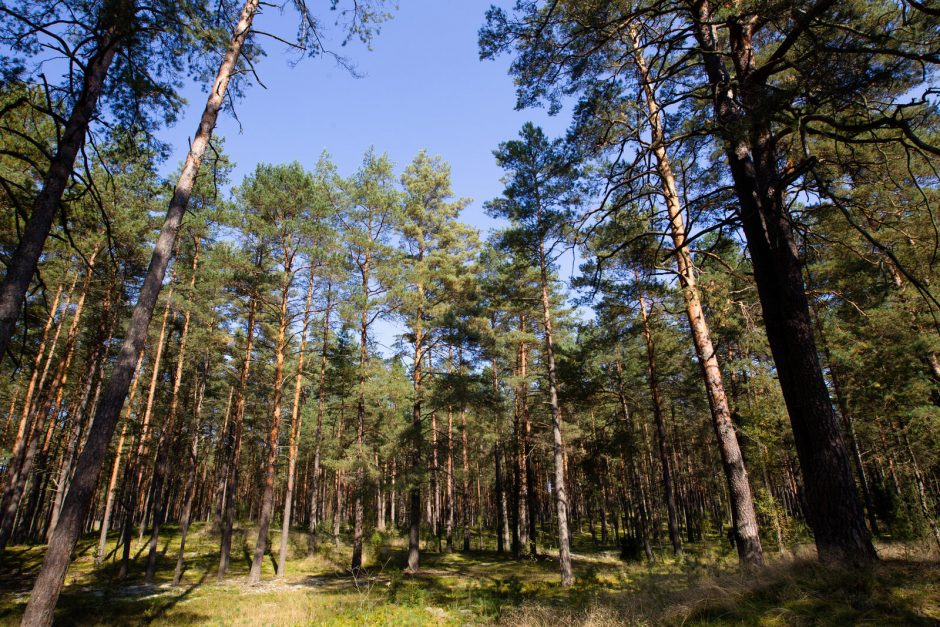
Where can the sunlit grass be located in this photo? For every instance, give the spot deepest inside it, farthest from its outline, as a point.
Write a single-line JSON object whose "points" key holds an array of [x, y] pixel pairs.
{"points": [[701, 587]]}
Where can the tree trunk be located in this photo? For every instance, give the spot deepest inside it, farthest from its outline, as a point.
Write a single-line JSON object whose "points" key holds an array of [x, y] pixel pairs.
{"points": [[925, 509], [295, 422], [46, 410], [561, 494], [270, 467], [46, 590], [315, 483], [526, 427], [37, 362], [674, 536], [42, 601], [744, 518], [100, 352], [465, 514], [136, 466], [393, 497], [642, 517], [25, 258], [189, 491], [502, 525], [414, 507], [834, 512], [380, 495], [234, 436], [450, 479], [356, 563], [516, 502], [502, 509], [846, 414], [116, 467], [78, 427], [435, 474], [168, 437]]}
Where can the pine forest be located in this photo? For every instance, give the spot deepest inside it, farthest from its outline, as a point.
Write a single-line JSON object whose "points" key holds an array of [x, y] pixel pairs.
{"points": [[653, 339]]}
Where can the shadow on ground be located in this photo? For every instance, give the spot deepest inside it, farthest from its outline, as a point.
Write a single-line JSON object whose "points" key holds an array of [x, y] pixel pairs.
{"points": [[477, 587]]}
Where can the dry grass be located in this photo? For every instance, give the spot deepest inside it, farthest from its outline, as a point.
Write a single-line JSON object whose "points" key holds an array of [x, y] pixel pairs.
{"points": [[481, 587], [790, 591]]}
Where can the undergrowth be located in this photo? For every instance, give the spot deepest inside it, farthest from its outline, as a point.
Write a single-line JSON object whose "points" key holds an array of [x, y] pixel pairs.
{"points": [[482, 586]]}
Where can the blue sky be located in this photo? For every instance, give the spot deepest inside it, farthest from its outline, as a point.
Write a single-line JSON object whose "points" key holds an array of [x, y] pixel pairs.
{"points": [[423, 86]]}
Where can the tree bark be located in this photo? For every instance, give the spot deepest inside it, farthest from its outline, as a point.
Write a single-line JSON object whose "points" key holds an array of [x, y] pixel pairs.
{"points": [[116, 467], [45, 594], [168, 436], [46, 409], [356, 562], [315, 482], [78, 417], [642, 517], [561, 494], [846, 414], [502, 509], [37, 362], [189, 491], [28, 416], [465, 514], [526, 427], [450, 469], [414, 507], [234, 437], [270, 467], [295, 421], [834, 512], [744, 518], [25, 258], [136, 467]]}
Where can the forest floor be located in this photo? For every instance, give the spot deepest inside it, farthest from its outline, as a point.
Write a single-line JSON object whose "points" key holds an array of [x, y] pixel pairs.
{"points": [[479, 587]]}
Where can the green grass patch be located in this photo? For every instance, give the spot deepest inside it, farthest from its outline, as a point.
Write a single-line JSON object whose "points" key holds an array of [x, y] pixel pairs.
{"points": [[479, 587]]}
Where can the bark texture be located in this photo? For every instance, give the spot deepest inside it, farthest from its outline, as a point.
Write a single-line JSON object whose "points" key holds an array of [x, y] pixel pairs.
{"points": [[45, 594]]}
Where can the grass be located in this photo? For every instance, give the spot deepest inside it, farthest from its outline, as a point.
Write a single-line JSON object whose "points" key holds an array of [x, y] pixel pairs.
{"points": [[479, 587]]}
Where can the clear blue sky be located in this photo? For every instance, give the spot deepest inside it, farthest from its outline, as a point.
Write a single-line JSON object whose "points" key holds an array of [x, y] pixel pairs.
{"points": [[423, 86]]}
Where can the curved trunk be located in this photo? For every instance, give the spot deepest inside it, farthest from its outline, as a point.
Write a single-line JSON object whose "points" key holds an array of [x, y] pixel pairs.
{"points": [[40, 609]]}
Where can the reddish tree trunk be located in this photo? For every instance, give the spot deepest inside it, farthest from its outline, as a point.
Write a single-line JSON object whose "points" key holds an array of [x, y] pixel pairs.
{"points": [[45, 594]]}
